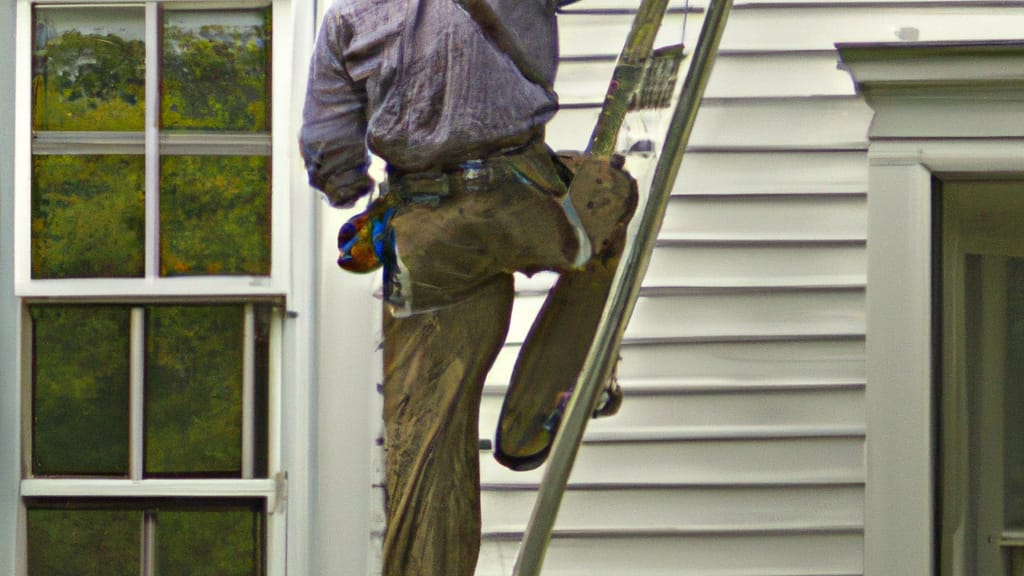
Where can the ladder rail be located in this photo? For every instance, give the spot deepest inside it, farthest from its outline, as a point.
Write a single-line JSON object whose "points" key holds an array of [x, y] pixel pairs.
{"points": [[603, 352]]}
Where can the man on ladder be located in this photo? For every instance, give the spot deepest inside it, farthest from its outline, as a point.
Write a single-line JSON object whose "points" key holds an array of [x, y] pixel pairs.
{"points": [[455, 102]]}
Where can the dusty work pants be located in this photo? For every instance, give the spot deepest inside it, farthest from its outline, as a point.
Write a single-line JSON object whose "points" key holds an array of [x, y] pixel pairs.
{"points": [[455, 256], [459, 253]]}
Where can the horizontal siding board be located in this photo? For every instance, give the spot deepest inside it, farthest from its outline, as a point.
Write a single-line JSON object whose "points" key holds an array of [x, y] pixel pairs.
{"points": [[742, 314], [712, 264], [791, 217], [777, 75], [692, 509], [781, 123], [777, 555], [736, 75], [800, 409], [772, 361], [798, 26], [578, 31], [776, 27], [711, 462], [770, 173]]}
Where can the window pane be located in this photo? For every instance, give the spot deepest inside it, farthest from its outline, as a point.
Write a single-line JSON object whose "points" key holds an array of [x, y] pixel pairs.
{"points": [[89, 68], [210, 542], [215, 215], [1013, 399], [215, 66], [80, 390], [193, 412], [88, 216], [84, 542]]}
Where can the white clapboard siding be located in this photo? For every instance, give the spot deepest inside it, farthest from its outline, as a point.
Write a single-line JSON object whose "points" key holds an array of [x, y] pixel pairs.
{"points": [[756, 217], [765, 553], [773, 173], [626, 508], [819, 122], [737, 75], [717, 314]]}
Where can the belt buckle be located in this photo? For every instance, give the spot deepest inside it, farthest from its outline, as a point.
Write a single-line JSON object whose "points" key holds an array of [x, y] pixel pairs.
{"points": [[476, 175]]}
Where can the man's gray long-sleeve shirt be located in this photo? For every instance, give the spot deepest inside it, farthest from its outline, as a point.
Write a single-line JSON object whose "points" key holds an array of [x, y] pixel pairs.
{"points": [[422, 86]]}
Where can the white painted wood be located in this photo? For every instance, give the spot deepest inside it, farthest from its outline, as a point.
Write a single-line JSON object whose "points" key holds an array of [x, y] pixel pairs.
{"points": [[707, 508], [736, 75], [577, 33], [711, 462], [748, 554], [779, 27], [754, 361], [744, 124], [802, 26], [725, 315], [899, 501], [155, 488], [779, 74], [759, 265], [795, 409], [771, 219], [773, 172]]}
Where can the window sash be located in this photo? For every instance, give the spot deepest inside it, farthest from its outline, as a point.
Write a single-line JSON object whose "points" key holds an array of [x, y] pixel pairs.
{"points": [[154, 143], [137, 396], [272, 490]]}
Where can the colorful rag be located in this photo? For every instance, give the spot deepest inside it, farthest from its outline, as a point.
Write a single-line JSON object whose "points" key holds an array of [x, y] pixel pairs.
{"points": [[366, 241]]}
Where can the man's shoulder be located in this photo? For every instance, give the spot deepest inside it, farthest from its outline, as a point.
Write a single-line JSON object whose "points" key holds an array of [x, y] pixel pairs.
{"points": [[360, 10]]}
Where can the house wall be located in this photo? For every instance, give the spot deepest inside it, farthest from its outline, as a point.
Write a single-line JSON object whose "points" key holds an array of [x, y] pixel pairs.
{"points": [[740, 447]]}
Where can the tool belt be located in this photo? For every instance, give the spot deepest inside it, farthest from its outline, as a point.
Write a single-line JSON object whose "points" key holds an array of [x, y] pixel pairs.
{"points": [[525, 162], [470, 177]]}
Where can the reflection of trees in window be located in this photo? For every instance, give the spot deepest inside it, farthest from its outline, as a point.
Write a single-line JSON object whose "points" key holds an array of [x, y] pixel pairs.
{"points": [[215, 75], [214, 215], [88, 216], [83, 542], [89, 210], [86, 79], [193, 371], [80, 391], [105, 538], [194, 390]]}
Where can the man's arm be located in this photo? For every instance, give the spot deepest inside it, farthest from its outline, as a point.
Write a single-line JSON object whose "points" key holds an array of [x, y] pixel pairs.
{"points": [[333, 137]]}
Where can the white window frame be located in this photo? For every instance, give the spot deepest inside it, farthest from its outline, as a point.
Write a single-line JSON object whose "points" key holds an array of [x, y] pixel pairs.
{"points": [[281, 151], [272, 490], [940, 109], [288, 284]]}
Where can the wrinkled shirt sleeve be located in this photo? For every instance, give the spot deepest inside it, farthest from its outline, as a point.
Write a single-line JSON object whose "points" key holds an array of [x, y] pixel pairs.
{"points": [[333, 136]]}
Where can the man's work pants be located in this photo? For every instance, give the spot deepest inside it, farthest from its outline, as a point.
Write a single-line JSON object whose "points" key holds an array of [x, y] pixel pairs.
{"points": [[457, 255]]}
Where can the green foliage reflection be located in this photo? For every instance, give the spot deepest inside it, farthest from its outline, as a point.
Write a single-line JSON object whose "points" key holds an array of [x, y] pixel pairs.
{"points": [[80, 390], [215, 215], [215, 74], [87, 79], [193, 411], [209, 542], [84, 542], [88, 216]]}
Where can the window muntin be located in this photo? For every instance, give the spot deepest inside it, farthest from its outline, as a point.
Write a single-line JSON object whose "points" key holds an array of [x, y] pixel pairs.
{"points": [[199, 80]]}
